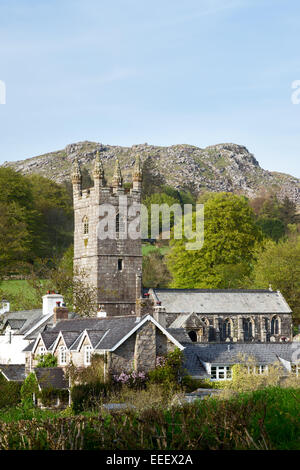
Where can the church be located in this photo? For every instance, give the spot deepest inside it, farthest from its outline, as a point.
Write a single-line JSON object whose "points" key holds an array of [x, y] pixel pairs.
{"points": [[132, 326]]}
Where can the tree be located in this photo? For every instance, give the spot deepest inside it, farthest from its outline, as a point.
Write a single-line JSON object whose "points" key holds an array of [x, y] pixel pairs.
{"points": [[279, 265], [15, 237], [155, 271], [230, 238], [73, 284]]}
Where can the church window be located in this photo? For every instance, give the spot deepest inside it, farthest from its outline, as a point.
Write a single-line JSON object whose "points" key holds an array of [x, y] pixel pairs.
{"points": [[193, 335], [275, 326], [120, 265], [87, 355], [248, 329], [85, 221], [227, 328], [62, 355], [118, 223]]}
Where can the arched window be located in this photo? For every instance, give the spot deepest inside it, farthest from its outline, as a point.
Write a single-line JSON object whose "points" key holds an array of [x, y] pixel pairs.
{"points": [[275, 326], [62, 355], [226, 328], [85, 222], [193, 335], [248, 329]]}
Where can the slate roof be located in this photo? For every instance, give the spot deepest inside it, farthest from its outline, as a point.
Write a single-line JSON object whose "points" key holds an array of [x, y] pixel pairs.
{"points": [[104, 333], [51, 377], [223, 301], [231, 353], [27, 317], [180, 334], [13, 372]]}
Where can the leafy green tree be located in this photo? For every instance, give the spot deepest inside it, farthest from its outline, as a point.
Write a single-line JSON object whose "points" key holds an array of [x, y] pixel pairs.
{"points": [[272, 228], [29, 387], [155, 271], [230, 238], [279, 265]]}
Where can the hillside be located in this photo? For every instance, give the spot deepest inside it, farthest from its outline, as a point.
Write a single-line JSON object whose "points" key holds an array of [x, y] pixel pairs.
{"points": [[222, 167]]}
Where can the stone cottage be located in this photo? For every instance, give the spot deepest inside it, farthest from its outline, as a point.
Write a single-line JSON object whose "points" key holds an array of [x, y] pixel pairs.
{"points": [[126, 343]]}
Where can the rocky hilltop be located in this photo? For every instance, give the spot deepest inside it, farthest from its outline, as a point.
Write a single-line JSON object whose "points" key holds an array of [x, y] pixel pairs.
{"points": [[222, 167]]}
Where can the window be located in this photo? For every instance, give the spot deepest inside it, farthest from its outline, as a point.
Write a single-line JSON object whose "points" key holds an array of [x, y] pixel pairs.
{"points": [[42, 350], [85, 222], [248, 329], [193, 336], [120, 265], [62, 355], [117, 222], [221, 373], [258, 369], [87, 355], [227, 328], [275, 326]]}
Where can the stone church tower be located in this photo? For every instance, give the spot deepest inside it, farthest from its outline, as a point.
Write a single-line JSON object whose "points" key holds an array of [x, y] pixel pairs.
{"points": [[113, 264]]}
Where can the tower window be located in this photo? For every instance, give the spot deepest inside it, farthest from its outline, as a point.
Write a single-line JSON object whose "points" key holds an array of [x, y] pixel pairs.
{"points": [[85, 222], [117, 223], [120, 265]]}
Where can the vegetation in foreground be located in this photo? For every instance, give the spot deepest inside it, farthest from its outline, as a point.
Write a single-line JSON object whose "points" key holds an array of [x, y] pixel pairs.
{"points": [[264, 419], [251, 412]]}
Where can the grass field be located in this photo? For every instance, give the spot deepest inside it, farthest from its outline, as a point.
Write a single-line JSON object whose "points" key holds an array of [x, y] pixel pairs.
{"points": [[20, 294]]}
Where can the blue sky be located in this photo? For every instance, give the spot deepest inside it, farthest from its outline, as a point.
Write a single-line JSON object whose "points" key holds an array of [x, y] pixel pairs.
{"points": [[164, 72]]}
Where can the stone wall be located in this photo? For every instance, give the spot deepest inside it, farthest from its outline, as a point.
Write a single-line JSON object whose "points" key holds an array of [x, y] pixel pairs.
{"points": [[261, 326], [145, 347]]}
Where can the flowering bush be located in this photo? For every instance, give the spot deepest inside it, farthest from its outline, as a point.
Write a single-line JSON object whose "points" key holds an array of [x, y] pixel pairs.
{"points": [[132, 379], [161, 361]]}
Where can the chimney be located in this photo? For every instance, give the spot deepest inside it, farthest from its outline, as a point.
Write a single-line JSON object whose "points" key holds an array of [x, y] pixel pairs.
{"points": [[60, 312], [101, 313], [49, 302], [5, 306], [160, 314]]}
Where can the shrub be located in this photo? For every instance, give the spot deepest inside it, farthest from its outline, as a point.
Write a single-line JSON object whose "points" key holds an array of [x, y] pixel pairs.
{"points": [[48, 396], [47, 360], [29, 387], [89, 395], [10, 393], [132, 379], [168, 369]]}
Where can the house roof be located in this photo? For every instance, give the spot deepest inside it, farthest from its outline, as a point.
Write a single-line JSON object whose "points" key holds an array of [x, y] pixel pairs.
{"points": [[51, 377], [13, 372], [28, 323], [103, 333], [114, 327], [232, 353], [223, 301]]}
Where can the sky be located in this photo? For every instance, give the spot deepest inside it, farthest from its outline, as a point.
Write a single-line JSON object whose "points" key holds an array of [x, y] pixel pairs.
{"points": [[165, 72]]}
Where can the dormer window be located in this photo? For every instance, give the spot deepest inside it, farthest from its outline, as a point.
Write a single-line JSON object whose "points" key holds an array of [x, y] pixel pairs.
{"points": [[87, 355], [63, 355], [42, 350], [85, 222]]}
